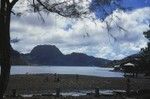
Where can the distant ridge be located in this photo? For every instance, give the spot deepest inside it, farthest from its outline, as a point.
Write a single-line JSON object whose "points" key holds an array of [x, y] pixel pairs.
{"points": [[51, 55], [126, 59], [17, 58]]}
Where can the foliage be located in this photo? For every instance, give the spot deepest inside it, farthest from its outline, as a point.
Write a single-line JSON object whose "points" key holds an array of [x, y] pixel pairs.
{"points": [[145, 60]]}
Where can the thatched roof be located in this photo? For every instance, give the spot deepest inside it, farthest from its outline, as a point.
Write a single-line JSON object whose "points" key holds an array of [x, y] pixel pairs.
{"points": [[129, 64]]}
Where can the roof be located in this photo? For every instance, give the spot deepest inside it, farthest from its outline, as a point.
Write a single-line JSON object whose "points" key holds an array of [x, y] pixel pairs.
{"points": [[117, 66], [129, 64]]}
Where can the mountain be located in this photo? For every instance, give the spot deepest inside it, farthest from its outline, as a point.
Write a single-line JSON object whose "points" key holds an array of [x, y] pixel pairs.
{"points": [[45, 55], [130, 58], [51, 55], [16, 58], [80, 59]]}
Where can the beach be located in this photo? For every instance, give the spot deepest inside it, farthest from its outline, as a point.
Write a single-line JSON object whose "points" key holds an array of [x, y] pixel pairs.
{"points": [[37, 84]]}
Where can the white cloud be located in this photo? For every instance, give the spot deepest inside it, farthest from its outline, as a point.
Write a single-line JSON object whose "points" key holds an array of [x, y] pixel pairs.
{"points": [[85, 35]]}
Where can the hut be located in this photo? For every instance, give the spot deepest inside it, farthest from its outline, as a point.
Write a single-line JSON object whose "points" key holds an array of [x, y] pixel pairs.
{"points": [[117, 68], [129, 69]]}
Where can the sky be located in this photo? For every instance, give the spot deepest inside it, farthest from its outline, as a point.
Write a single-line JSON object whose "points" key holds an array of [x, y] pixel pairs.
{"points": [[123, 37]]}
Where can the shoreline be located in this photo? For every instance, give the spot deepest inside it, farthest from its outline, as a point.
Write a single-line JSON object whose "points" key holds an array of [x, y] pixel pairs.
{"points": [[50, 82], [62, 66], [45, 86], [46, 74]]}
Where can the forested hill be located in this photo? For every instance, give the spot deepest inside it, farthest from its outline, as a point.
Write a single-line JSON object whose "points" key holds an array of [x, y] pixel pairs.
{"points": [[51, 55], [17, 58]]}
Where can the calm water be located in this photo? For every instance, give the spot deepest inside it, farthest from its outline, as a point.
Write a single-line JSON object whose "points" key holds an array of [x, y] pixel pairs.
{"points": [[92, 71]]}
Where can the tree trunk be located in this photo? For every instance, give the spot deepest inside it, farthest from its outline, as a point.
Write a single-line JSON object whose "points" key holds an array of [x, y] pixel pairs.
{"points": [[4, 46]]}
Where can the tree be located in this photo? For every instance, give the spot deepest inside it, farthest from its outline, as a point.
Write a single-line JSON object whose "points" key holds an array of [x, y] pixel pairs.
{"points": [[66, 8], [146, 53], [144, 59], [5, 12]]}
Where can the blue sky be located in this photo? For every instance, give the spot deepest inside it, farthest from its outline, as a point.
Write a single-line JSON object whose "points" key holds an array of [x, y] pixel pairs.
{"points": [[126, 5], [85, 35]]}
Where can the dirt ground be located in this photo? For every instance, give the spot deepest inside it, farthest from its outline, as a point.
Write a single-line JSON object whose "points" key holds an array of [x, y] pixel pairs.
{"points": [[48, 83]]}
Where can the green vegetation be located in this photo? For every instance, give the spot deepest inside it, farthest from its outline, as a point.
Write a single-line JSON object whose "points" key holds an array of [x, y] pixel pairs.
{"points": [[145, 60]]}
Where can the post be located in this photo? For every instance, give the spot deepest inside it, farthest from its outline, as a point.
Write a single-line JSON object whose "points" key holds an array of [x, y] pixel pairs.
{"points": [[128, 86], [14, 92], [77, 77], [96, 92], [57, 92]]}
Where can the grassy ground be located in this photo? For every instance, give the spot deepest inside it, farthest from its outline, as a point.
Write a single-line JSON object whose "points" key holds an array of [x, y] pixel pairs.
{"points": [[36, 84]]}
